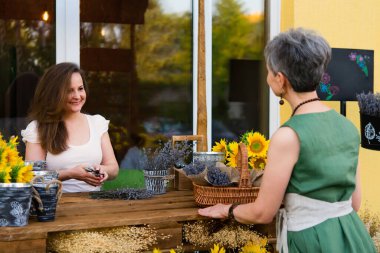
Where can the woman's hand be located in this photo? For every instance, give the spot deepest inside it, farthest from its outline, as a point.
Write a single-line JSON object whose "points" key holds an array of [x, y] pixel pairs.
{"points": [[219, 211], [103, 174], [79, 173]]}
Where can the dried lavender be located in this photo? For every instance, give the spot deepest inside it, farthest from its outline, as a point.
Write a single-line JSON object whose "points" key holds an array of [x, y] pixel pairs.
{"points": [[217, 177], [369, 104], [125, 193], [165, 156], [194, 168]]}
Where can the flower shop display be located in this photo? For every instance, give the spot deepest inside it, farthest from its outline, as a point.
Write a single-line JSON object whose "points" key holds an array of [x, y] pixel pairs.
{"points": [[235, 180], [15, 187], [369, 105]]}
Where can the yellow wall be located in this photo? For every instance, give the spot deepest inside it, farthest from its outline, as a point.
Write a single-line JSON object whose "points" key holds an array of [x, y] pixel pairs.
{"points": [[345, 24]]}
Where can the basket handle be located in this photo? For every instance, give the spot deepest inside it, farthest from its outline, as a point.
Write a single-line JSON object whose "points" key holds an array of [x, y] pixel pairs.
{"points": [[199, 138], [242, 164]]}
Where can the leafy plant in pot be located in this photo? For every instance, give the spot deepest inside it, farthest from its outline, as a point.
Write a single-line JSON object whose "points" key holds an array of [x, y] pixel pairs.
{"points": [[369, 105], [15, 187], [158, 164]]}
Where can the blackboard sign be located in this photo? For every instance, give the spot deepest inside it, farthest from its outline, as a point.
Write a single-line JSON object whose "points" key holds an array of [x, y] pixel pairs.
{"points": [[349, 73]]}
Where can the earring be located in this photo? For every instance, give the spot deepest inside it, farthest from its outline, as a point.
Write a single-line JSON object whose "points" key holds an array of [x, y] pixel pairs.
{"points": [[281, 102]]}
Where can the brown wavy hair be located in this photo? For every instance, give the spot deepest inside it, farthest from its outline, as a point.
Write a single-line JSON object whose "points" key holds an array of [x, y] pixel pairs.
{"points": [[48, 105]]}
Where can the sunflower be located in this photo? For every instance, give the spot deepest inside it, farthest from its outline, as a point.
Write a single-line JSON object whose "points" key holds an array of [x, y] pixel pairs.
{"points": [[3, 144], [233, 149], [25, 174], [257, 145], [5, 176], [252, 247], [221, 147], [12, 167], [13, 142], [217, 249], [257, 162], [9, 155]]}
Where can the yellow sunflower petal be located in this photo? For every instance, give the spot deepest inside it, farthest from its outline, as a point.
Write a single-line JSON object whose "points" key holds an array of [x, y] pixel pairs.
{"points": [[220, 146], [233, 147]]}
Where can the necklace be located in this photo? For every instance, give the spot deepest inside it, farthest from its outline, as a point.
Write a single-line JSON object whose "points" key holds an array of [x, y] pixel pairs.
{"points": [[304, 102]]}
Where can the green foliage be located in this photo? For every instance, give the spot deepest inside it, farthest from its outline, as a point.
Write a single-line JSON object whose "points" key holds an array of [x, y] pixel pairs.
{"points": [[234, 36], [127, 178]]}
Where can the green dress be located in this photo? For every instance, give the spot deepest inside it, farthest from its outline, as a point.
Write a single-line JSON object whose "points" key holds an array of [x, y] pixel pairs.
{"points": [[326, 171]]}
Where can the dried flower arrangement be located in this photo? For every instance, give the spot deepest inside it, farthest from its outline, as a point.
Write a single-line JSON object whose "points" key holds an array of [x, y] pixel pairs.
{"points": [[369, 104], [12, 166], [165, 156]]}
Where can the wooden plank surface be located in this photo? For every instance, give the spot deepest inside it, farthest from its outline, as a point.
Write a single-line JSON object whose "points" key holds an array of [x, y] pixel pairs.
{"points": [[166, 213], [79, 211]]}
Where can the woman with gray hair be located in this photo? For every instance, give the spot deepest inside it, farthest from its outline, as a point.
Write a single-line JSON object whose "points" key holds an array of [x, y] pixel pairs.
{"points": [[312, 163]]}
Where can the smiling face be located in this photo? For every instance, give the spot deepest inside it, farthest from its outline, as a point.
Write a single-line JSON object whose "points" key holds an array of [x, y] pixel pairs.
{"points": [[76, 95]]}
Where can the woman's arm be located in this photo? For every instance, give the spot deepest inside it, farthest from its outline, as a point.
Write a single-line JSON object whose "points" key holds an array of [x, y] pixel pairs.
{"points": [[282, 156], [34, 152], [109, 164], [357, 194]]}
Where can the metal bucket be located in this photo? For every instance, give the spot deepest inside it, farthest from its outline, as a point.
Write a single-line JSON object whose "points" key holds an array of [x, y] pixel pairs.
{"points": [[37, 165], [15, 199], [45, 199], [48, 175], [208, 158], [156, 180]]}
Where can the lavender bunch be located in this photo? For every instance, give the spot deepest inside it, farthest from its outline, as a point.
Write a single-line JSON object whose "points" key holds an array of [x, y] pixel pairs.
{"points": [[126, 193], [217, 177], [165, 156], [369, 104], [194, 168]]}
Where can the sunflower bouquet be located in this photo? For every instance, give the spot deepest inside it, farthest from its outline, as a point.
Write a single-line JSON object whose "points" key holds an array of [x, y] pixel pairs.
{"points": [[257, 146], [12, 166]]}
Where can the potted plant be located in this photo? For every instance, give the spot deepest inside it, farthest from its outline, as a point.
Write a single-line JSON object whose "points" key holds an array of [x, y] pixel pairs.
{"points": [[369, 105], [15, 187], [158, 164]]}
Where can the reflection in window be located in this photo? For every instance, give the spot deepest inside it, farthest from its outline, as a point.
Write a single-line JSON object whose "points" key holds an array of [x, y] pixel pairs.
{"points": [[239, 91], [138, 58], [27, 48]]}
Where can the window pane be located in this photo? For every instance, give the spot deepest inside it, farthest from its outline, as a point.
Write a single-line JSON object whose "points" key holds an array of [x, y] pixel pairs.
{"points": [[27, 48], [239, 91], [138, 58]]}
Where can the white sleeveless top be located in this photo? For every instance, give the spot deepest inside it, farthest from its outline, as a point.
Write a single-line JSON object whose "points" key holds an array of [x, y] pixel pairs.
{"points": [[89, 153]]}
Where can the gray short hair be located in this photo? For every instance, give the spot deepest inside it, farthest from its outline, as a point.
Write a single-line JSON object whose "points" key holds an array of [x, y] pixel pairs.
{"points": [[301, 55]]}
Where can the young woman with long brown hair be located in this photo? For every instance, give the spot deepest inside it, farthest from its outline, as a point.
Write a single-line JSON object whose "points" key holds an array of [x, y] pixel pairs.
{"points": [[69, 140]]}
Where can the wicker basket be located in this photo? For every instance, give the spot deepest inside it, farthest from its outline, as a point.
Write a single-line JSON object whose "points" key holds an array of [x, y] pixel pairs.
{"points": [[244, 193]]}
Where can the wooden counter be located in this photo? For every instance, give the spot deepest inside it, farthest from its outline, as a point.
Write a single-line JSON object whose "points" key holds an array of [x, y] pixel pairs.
{"points": [[77, 211]]}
